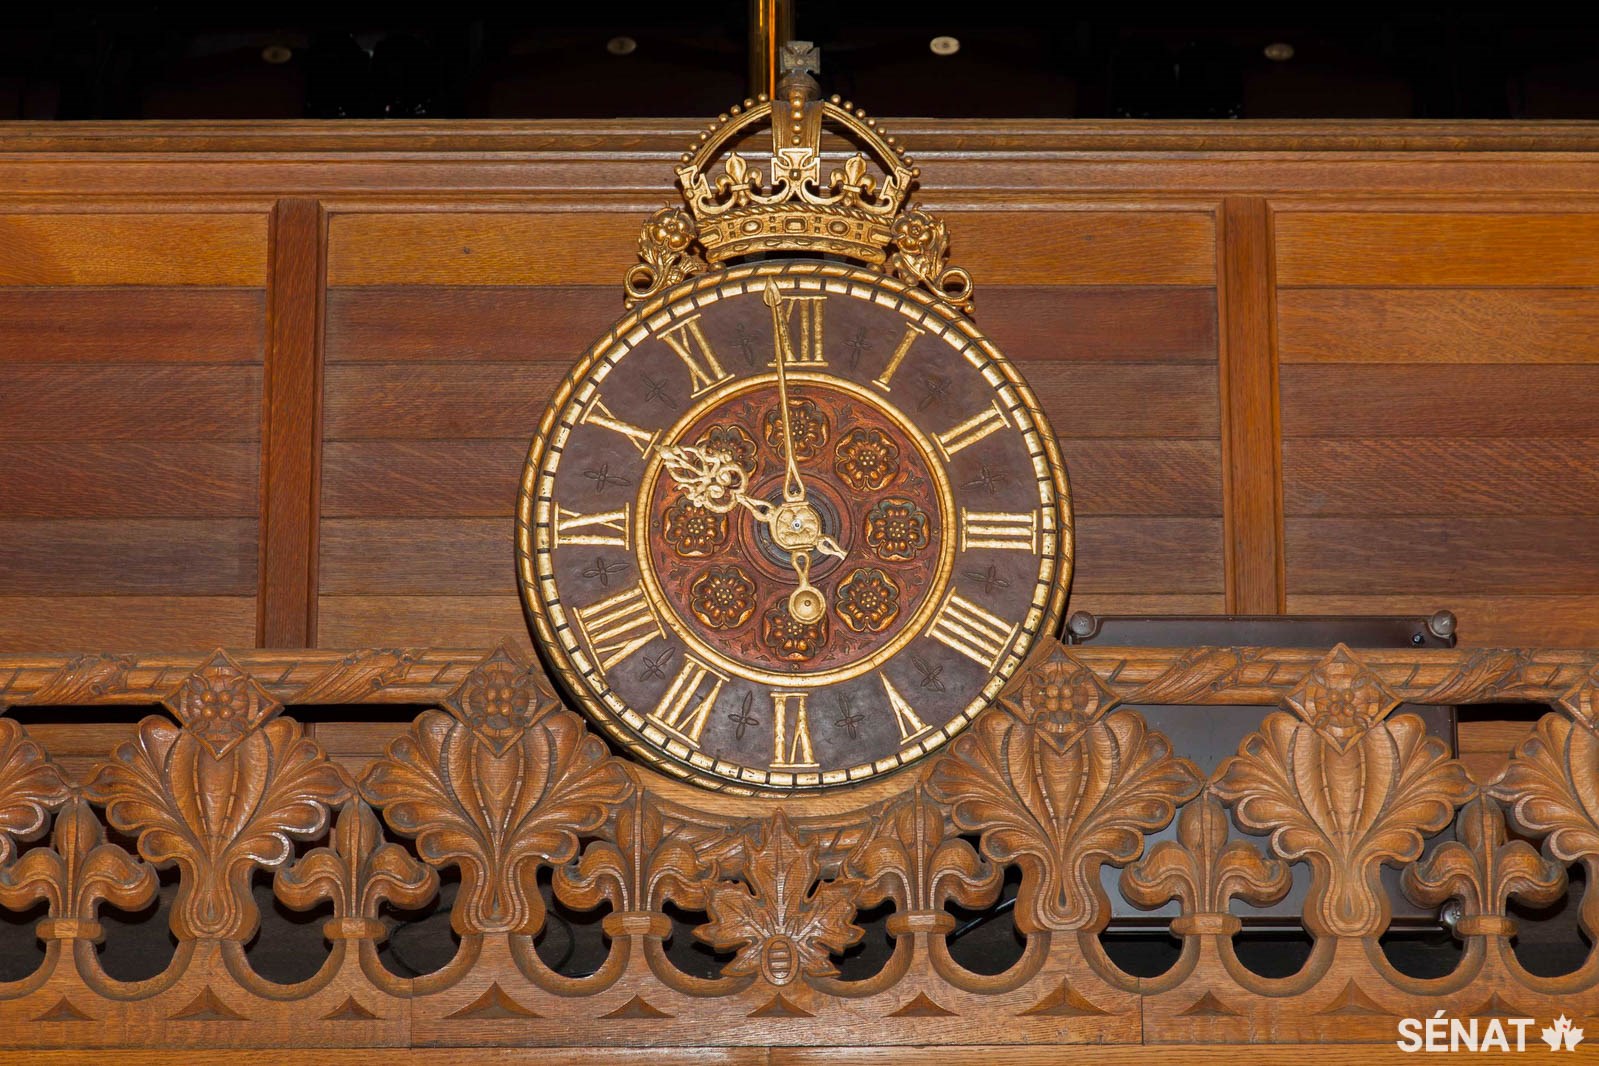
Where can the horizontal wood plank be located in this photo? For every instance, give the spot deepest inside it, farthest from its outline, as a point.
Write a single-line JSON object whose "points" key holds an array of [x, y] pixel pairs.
{"points": [[1114, 603], [102, 479], [1120, 400], [137, 556], [396, 323], [1441, 401], [60, 623], [1134, 247], [1441, 476], [1495, 620], [1527, 554], [482, 248], [430, 401], [168, 248], [1438, 326], [433, 478], [421, 621], [130, 402], [1131, 476], [1101, 324], [131, 325], [1146, 555]]}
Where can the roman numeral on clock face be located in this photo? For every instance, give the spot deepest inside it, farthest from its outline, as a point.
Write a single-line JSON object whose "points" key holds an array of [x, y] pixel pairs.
{"points": [[791, 732], [999, 529], [804, 335], [683, 710], [687, 339], [900, 351], [972, 430], [597, 414], [962, 626], [910, 725], [607, 529], [618, 626]]}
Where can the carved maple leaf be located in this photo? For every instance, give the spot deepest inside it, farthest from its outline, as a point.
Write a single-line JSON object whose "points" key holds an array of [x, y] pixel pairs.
{"points": [[778, 925]]}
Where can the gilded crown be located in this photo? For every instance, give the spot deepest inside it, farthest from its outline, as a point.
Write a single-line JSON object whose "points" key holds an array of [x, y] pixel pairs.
{"points": [[858, 212]]}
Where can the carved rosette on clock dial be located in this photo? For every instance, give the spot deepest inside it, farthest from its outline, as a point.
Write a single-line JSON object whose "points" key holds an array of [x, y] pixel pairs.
{"points": [[793, 523]]}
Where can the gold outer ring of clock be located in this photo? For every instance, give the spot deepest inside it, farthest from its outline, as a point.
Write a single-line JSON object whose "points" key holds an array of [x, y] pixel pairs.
{"points": [[631, 328]]}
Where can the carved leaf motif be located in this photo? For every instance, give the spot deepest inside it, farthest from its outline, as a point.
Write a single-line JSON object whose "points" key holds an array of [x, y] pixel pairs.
{"points": [[358, 872], [649, 863], [778, 925], [910, 857], [218, 817], [30, 787], [1483, 868], [78, 870], [497, 816], [1059, 787], [1202, 869], [1344, 809], [1552, 786]]}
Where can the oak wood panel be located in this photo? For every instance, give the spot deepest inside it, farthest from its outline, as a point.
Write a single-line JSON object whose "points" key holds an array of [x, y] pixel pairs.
{"points": [[130, 402], [481, 248], [1138, 247], [1498, 620], [479, 478], [1261, 1054], [1441, 476], [1437, 248], [491, 323], [167, 248], [1540, 554], [452, 1056], [422, 401], [1251, 438], [1119, 400], [291, 427], [1148, 554], [120, 479], [171, 623], [1438, 325], [143, 556], [415, 621], [78, 746], [136, 324], [1455, 401], [1099, 323]]}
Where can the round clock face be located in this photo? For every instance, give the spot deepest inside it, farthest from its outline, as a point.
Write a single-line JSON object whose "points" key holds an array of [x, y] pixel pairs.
{"points": [[792, 526]]}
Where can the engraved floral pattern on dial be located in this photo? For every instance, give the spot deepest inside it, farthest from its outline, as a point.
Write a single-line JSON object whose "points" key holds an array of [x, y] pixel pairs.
{"points": [[723, 597], [789, 639], [866, 459], [731, 441], [693, 531], [867, 600], [897, 529], [807, 425]]}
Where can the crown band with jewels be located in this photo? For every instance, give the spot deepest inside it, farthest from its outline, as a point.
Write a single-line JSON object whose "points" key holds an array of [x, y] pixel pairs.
{"points": [[853, 214]]}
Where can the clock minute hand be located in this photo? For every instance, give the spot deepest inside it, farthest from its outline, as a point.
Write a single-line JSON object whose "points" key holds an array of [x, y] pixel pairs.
{"points": [[793, 487]]}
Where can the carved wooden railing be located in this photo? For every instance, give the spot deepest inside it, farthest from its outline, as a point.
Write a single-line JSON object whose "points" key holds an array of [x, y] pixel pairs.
{"points": [[1062, 778]]}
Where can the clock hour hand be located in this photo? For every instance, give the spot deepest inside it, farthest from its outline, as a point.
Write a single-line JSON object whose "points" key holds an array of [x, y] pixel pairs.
{"points": [[709, 479]]}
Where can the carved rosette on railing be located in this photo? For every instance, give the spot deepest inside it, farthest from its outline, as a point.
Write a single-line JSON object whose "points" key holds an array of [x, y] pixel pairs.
{"points": [[1059, 785]]}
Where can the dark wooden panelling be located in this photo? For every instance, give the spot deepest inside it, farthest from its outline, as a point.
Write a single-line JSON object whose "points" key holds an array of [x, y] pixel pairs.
{"points": [[291, 433], [423, 401], [1443, 248], [1504, 620], [131, 325], [1438, 325], [92, 623], [168, 248], [189, 479], [1441, 476], [421, 621], [1144, 477], [436, 478], [1100, 324], [1138, 247], [1127, 399], [1491, 554], [482, 248], [127, 402], [505, 324], [144, 556], [1455, 401], [1156, 554], [422, 556]]}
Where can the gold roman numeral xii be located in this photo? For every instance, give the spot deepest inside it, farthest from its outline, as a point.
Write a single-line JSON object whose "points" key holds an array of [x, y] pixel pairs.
{"points": [[962, 626], [805, 334], [618, 626]]}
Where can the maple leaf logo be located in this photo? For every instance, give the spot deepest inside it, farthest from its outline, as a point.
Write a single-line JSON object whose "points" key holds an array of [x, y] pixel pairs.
{"points": [[1562, 1033], [779, 926]]}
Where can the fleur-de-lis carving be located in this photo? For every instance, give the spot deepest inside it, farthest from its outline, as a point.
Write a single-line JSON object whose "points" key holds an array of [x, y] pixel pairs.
{"points": [[218, 799], [1204, 872], [778, 925], [31, 786], [1345, 806], [1552, 787], [74, 874], [357, 871], [1483, 869], [650, 861], [1059, 784], [909, 856], [506, 782]]}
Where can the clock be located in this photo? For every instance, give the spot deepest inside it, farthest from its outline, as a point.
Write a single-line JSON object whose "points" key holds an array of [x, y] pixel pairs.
{"points": [[792, 523]]}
